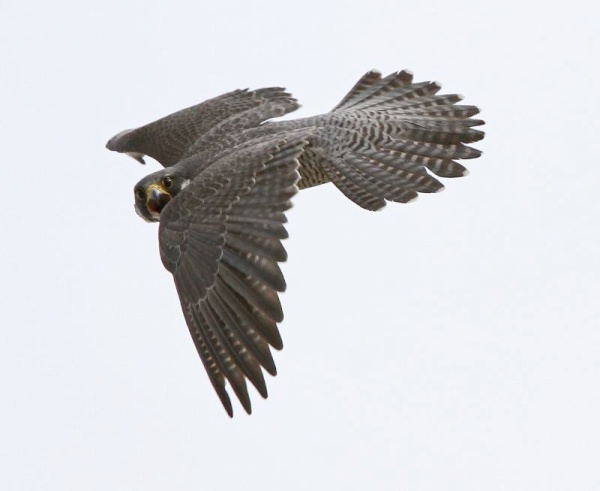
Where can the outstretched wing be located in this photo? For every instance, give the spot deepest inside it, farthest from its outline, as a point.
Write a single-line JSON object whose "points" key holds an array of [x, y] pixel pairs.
{"points": [[170, 138], [221, 239]]}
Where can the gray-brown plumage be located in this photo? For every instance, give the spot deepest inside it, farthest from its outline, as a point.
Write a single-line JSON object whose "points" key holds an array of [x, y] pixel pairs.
{"points": [[230, 175]]}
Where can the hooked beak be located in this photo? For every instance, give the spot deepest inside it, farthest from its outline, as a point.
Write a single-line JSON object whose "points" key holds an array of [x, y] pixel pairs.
{"points": [[156, 199]]}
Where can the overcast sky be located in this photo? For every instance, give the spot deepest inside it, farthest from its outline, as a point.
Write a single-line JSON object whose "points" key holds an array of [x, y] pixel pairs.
{"points": [[449, 344]]}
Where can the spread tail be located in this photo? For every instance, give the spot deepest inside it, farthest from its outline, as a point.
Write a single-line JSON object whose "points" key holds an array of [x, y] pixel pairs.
{"points": [[387, 137]]}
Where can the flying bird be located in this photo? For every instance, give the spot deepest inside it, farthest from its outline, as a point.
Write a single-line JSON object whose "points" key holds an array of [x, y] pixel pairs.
{"points": [[230, 174]]}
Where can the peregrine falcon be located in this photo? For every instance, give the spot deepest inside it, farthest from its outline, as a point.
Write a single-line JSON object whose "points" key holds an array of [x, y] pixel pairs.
{"points": [[230, 173]]}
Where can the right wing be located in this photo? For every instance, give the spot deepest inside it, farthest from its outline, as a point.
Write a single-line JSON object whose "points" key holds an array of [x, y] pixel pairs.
{"points": [[175, 136]]}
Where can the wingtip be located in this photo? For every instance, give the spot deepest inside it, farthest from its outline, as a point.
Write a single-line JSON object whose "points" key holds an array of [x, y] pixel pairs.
{"points": [[247, 406], [262, 390], [225, 400], [116, 142], [121, 143], [228, 409]]}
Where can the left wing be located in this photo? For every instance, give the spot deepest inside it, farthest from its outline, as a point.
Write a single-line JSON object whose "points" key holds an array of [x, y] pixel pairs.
{"points": [[221, 239]]}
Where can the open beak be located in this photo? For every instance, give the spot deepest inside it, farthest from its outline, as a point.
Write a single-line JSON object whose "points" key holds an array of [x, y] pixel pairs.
{"points": [[157, 198]]}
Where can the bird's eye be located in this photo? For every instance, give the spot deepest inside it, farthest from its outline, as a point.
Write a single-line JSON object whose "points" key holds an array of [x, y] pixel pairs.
{"points": [[140, 194], [167, 182]]}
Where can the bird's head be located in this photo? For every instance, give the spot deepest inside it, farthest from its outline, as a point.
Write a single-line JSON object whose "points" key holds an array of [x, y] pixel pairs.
{"points": [[155, 191]]}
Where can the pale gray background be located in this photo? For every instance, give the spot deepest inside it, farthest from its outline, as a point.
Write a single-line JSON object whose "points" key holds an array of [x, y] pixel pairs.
{"points": [[450, 344]]}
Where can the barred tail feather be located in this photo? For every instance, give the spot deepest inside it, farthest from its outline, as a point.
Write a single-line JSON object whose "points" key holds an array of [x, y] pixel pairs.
{"points": [[388, 137]]}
